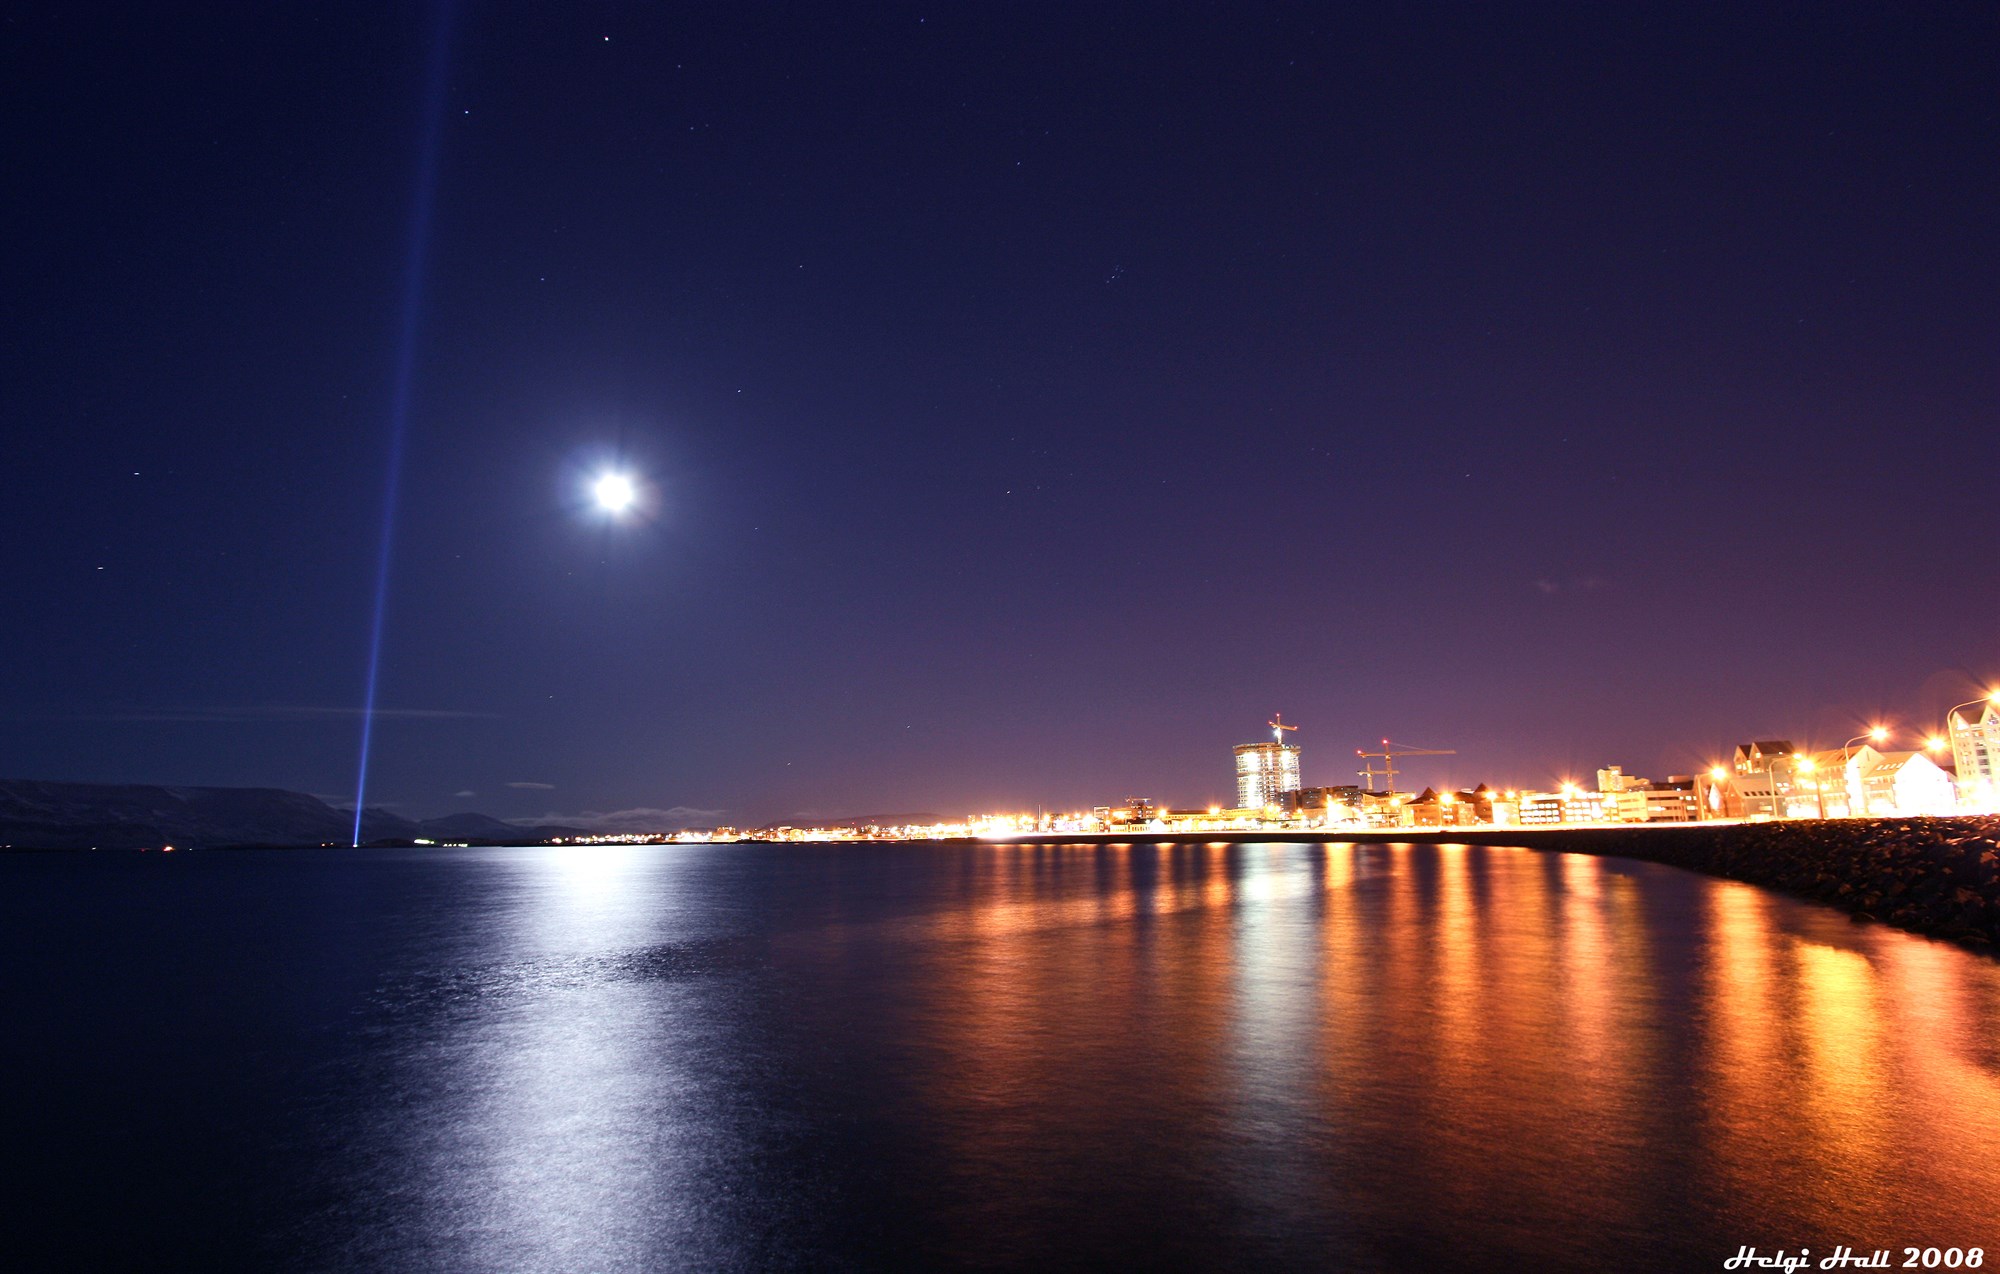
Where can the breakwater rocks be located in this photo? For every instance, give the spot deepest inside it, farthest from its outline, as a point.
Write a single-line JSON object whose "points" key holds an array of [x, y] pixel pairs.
{"points": [[1937, 876]]}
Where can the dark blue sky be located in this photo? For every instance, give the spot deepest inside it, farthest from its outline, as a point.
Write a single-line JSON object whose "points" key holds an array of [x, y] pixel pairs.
{"points": [[1037, 397]]}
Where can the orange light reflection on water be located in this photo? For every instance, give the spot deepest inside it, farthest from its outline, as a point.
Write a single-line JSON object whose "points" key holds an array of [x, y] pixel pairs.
{"points": [[1526, 1043]]}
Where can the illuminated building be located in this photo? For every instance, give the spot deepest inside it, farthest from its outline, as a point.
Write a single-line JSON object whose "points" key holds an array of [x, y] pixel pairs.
{"points": [[1767, 783], [1316, 800], [1839, 774], [1905, 783], [1136, 809], [1265, 774], [1672, 801], [1763, 756], [1433, 808], [1629, 798], [1613, 779], [1540, 808], [1975, 754]]}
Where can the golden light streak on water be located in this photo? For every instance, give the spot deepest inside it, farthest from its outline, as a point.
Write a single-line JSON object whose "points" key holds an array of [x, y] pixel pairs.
{"points": [[1846, 1078]]}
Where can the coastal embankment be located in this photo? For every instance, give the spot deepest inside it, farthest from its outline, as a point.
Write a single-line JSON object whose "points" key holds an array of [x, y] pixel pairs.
{"points": [[1935, 876]]}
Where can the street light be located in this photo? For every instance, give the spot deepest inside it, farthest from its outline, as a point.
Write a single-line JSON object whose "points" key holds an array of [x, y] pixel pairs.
{"points": [[1874, 734]]}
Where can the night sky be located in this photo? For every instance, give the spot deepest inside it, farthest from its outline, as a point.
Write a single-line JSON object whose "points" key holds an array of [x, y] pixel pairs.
{"points": [[1033, 398]]}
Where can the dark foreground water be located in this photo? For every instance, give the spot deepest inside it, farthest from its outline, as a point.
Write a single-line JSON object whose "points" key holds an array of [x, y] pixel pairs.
{"points": [[1263, 1056]]}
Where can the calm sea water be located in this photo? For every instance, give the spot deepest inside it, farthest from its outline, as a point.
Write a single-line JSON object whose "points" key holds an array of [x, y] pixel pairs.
{"points": [[1260, 1056]]}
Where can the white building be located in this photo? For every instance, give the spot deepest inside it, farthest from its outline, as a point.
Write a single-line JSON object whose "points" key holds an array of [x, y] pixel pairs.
{"points": [[1908, 783], [1846, 792], [1628, 798], [1975, 753]]}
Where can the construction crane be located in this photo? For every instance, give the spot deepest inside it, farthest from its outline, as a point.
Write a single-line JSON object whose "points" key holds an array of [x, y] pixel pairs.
{"points": [[1278, 726], [1388, 754]]}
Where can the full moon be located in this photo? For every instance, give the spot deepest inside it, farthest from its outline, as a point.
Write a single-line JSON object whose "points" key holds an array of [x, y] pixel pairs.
{"points": [[614, 492]]}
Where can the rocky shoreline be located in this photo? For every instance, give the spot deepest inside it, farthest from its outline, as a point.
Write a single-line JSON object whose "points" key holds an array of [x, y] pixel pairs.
{"points": [[1935, 876]]}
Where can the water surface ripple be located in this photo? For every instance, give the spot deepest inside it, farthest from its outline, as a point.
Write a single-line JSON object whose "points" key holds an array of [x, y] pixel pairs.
{"points": [[1188, 1056]]}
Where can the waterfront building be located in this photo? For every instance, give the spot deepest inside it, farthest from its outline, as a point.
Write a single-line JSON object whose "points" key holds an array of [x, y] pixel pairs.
{"points": [[1613, 778], [1540, 808], [1762, 755], [1426, 810], [1628, 798], [1384, 809], [1753, 794], [1266, 774], [1136, 809], [1433, 808], [1835, 780], [1483, 802], [1904, 783], [1766, 782], [1975, 755], [1757, 795], [1320, 800], [1570, 805], [1646, 801], [1463, 808], [1579, 806]]}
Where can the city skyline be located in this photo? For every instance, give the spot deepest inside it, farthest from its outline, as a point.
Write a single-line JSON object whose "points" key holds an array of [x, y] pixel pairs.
{"points": [[1865, 775]]}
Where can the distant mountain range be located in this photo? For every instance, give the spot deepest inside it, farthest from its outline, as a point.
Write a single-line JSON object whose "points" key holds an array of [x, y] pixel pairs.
{"points": [[35, 815]]}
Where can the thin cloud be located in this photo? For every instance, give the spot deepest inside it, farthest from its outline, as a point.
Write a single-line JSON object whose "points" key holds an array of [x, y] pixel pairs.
{"points": [[267, 712], [1583, 584], [533, 787], [632, 820], [465, 793]]}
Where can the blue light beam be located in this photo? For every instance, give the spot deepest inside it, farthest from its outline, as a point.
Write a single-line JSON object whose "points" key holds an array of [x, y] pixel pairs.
{"points": [[424, 199]]}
